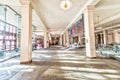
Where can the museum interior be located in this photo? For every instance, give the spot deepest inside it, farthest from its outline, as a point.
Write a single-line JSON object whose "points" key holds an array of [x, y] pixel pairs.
{"points": [[59, 39]]}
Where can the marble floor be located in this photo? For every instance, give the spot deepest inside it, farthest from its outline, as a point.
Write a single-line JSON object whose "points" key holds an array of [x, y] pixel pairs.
{"points": [[60, 63]]}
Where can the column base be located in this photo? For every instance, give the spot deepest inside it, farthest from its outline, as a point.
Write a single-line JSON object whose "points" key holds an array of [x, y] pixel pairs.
{"points": [[91, 57], [26, 62]]}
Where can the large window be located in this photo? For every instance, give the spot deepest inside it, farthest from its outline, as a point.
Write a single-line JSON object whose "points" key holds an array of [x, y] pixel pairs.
{"points": [[9, 32], [7, 36]]}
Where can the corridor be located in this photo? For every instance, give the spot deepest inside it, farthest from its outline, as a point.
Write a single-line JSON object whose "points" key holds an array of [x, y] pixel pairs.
{"points": [[60, 63]]}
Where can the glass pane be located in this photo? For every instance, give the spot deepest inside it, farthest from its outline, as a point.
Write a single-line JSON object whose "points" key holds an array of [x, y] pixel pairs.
{"points": [[2, 26], [13, 37], [6, 37], [7, 47], [11, 29], [12, 43], [14, 30], [0, 48], [1, 37], [7, 28], [1, 43], [7, 42], [10, 37], [12, 47]]}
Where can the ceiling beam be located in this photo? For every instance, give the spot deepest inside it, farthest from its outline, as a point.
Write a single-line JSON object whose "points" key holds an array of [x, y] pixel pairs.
{"points": [[38, 31], [109, 19], [107, 28]]}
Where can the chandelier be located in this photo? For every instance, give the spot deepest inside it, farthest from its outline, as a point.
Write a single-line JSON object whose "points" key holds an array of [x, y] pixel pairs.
{"points": [[65, 4]]}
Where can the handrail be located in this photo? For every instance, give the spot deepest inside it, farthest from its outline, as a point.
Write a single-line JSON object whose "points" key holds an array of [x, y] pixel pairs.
{"points": [[7, 23]]}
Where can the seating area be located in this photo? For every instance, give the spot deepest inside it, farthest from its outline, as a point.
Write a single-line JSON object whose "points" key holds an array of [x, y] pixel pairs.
{"points": [[111, 51]]}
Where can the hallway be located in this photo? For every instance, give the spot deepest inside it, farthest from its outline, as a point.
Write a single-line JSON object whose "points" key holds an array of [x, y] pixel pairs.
{"points": [[60, 63]]}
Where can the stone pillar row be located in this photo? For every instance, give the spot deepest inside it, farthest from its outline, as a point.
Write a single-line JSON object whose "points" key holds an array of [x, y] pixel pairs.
{"points": [[26, 33]]}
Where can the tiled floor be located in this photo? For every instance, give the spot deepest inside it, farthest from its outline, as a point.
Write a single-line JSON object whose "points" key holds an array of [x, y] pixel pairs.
{"points": [[61, 64]]}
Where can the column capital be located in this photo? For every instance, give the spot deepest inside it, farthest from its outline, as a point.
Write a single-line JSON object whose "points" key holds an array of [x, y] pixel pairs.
{"points": [[26, 2], [90, 7]]}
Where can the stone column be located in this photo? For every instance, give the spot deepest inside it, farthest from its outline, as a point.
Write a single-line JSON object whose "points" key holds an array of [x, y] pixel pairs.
{"points": [[96, 39], [101, 37], [89, 32], [105, 36], [64, 41], [112, 37], [45, 38], [26, 32], [60, 39], [67, 38], [80, 39], [116, 37]]}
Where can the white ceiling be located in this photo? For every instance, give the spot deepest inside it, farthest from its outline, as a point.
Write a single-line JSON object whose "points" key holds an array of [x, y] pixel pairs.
{"points": [[108, 12], [54, 18], [49, 14], [10, 2]]}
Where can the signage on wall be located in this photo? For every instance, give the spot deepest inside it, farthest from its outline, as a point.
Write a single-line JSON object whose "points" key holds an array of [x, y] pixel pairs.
{"points": [[76, 29], [70, 32]]}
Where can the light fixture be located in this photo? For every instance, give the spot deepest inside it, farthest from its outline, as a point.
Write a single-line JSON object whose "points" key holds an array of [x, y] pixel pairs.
{"points": [[99, 27], [65, 4]]}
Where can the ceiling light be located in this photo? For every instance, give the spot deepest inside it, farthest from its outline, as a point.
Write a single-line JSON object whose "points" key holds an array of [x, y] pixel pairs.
{"points": [[65, 4]]}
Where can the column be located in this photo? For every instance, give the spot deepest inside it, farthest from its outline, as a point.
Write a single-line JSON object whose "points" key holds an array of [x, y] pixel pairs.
{"points": [[60, 39], [67, 38], [50, 40], [26, 32], [105, 36], [64, 39], [116, 37], [112, 37], [96, 40], [80, 39], [45, 38], [101, 37], [89, 32]]}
